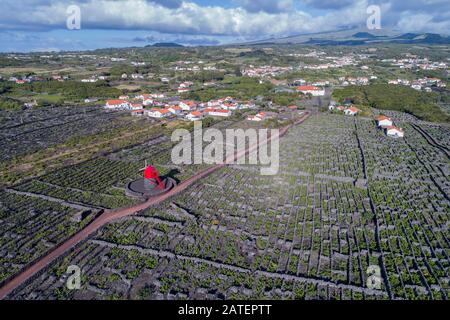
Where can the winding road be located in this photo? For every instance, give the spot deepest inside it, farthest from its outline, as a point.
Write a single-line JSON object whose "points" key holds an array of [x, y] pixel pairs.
{"points": [[109, 216]]}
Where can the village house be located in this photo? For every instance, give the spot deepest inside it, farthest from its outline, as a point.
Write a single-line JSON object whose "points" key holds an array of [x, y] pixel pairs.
{"points": [[247, 105], [175, 110], [214, 103], [393, 131], [258, 117], [313, 90], [188, 105], [230, 106], [194, 116], [136, 106], [117, 104], [147, 99], [90, 80], [352, 111], [137, 76], [138, 112], [218, 112], [383, 121], [124, 97], [157, 113]]}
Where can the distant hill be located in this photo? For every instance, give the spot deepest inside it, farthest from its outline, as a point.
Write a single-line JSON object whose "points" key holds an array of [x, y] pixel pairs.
{"points": [[364, 35], [355, 36], [165, 45]]}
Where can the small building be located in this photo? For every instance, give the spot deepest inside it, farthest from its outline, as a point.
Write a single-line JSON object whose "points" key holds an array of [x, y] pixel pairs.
{"points": [[230, 106], [188, 105], [393, 131], [258, 117], [136, 106], [158, 113], [175, 109], [194, 116], [352, 111], [383, 121], [218, 112], [117, 104], [247, 105], [138, 112], [338, 108], [313, 90], [147, 99]]}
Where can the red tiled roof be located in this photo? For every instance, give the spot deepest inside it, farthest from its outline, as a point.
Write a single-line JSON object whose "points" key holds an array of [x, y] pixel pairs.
{"points": [[115, 101], [383, 117], [308, 88]]}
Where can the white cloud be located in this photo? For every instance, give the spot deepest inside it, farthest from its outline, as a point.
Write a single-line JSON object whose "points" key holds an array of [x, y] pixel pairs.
{"points": [[269, 6], [251, 18], [187, 18]]}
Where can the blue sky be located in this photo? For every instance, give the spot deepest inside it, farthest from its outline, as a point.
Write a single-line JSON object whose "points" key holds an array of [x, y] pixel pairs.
{"points": [[40, 25]]}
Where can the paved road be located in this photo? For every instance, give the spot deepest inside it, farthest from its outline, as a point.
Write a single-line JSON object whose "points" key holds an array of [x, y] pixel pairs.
{"points": [[110, 216]]}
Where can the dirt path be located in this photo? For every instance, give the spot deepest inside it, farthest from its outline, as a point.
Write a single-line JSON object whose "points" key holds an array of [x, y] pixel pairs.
{"points": [[110, 216]]}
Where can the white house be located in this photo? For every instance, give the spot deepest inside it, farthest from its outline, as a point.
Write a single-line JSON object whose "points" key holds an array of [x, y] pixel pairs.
{"points": [[214, 103], [117, 104], [247, 105], [194, 116], [313, 90], [147, 99], [393, 131], [351, 111], [138, 113], [383, 121], [230, 106], [258, 117], [188, 105], [157, 113], [218, 112], [175, 109], [136, 106]]}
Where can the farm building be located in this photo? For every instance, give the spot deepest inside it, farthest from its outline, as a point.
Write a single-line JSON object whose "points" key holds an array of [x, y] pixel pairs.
{"points": [[258, 117], [175, 109], [157, 113], [218, 112], [313, 90], [383, 121], [117, 104], [393, 131], [352, 111], [194, 116]]}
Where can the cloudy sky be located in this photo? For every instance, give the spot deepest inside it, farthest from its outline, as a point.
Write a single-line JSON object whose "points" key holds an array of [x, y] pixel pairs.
{"points": [[41, 25]]}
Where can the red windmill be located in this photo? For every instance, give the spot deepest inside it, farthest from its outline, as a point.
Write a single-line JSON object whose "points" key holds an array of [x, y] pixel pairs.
{"points": [[152, 175]]}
